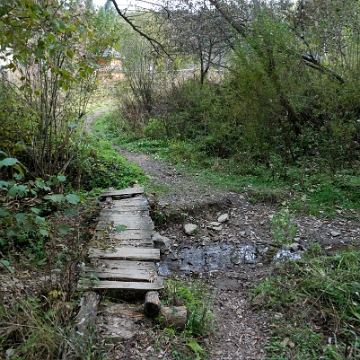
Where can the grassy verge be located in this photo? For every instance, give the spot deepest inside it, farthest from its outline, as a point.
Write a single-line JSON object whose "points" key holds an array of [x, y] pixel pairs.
{"points": [[315, 307], [302, 188], [188, 342]]}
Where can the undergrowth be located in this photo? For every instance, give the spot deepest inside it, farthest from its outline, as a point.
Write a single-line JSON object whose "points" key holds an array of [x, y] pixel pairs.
{"points": [[302, 187], [317, 306], [195, 295]]}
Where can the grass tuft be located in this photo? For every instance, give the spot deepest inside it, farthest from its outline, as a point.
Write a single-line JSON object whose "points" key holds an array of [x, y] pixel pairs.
{"points": [[317, 303]]}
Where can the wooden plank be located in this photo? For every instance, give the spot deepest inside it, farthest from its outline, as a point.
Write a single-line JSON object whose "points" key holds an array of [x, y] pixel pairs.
{"points": [[131, 274], [122, 285], [126, 234], [124, 192], [127, 202], [116, 208], [135, 243], [129, 213], [139, 200], [123, 264], [126, 253], [131, 224]]}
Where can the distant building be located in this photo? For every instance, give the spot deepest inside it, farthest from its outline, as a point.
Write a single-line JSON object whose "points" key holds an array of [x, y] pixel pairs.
{"points": [[110, 60], [110, 64]]}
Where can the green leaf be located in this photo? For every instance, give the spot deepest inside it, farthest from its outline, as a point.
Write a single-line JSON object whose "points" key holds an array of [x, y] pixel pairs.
{"points": [[64, 229], [10, 233], [22, 190], [72, 126], [3, 212], [61, 178], [35, 210], [42, 262], [8, 162], [20, 218], [40, 220], [4, 184], [6, 264], [72, 199], [57, 198], [13, 191], [71, 212], [121, 228], [39, 52], [44, 232], [194, 346]]}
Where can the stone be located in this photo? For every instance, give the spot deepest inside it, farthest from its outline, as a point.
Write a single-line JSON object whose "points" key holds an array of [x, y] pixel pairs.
{"points": [[294, 247], [223, 218], [214, 224], [217, 228], [161, 242], [335, 233], [172, 257], [190, 229], [242, 233]]}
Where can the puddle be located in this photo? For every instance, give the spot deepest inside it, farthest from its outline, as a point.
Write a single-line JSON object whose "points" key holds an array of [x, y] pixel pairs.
{"points": [[218, 257]]}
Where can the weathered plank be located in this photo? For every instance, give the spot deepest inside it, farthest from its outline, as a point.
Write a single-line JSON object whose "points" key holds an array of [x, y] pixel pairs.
{"points": [[131, 224], [130, 234], [123, 285], [125, 212], [135, 243], [139, 200], [126, 253], [131, 221], [139, 235], [119, 193], [123, 264], [132, 274]]}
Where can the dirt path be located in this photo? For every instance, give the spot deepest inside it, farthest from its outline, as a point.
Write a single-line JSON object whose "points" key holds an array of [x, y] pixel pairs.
{"points": [[241, 330], [230, 258]]}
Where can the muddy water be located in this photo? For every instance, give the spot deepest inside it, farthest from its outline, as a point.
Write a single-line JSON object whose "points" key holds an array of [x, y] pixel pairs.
{"points": [[219, 257]]}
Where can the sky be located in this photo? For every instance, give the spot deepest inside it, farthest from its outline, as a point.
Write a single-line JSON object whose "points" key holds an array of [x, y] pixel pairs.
{"points": [[121, 3]]}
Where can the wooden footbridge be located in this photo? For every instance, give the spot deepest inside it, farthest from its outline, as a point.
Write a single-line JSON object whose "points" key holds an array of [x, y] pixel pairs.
{"points": [[123, 256]]}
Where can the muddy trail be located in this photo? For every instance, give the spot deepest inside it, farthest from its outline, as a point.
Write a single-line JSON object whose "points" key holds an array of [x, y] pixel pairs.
{"points": [[231, 250]]}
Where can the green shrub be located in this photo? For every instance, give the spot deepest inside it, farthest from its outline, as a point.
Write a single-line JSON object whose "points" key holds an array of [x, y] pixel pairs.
{"points": [[101, 166], [196, 297], [156, 129]]}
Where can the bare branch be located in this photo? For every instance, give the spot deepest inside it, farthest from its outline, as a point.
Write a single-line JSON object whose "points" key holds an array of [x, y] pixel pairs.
{"points": [[154, 43]]}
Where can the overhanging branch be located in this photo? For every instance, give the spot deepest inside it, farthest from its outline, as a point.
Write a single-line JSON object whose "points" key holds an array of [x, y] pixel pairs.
{"points": [[154, 43]]}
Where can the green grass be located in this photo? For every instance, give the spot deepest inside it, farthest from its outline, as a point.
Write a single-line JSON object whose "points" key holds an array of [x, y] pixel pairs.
{"points": [[318, 299], [195, 295], [302, 189]]}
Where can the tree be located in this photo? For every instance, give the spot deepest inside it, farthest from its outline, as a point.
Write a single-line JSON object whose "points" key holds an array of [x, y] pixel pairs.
{"points": [[52, 77], [197, 32]]}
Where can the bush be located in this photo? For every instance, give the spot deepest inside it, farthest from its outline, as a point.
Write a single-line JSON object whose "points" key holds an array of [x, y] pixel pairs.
{"points": [[101, 166]]}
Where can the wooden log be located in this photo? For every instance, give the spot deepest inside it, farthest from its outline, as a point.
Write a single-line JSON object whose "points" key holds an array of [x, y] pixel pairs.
{"points": [[174, 316], [86, 318], [152, 304], [84, 328]]}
